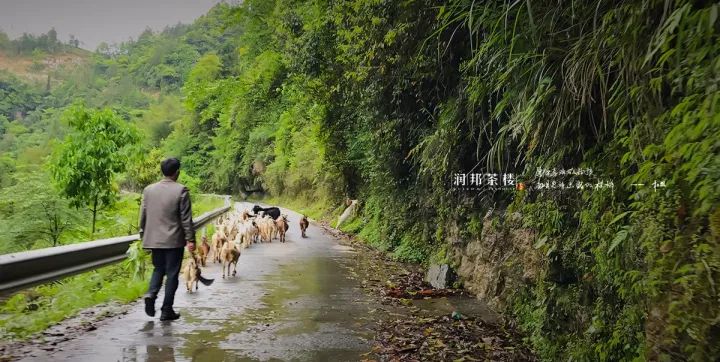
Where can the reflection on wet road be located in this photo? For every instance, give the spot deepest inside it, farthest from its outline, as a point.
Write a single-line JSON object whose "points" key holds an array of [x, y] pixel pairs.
{"points": [[292, 301]]}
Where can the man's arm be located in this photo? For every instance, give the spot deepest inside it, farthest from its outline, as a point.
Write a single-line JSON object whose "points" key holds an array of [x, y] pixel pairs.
{"points": [[186, 215], [143, 216]]}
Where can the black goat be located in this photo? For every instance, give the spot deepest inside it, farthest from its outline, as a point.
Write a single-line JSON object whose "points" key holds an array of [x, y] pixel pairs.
{"points": [[273, 212]]}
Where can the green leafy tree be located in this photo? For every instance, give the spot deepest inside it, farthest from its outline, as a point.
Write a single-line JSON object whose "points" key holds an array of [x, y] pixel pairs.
{"points": [[197, 88], [16, 97], [7, 168], [4, 41], [4, 124], [157, 122], [143, 170], [53, 43], [85, 164], [33, 211]]}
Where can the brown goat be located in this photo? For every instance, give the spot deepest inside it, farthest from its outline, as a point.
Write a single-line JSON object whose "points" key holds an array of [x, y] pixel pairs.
{"points": [[230, 254], [282, 227], [203, 251], [218, 240], [191, 272], [304, 223]]}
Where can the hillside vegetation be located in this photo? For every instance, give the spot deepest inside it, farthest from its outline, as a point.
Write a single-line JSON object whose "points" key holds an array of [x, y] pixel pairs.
{"points": [[385, 101], [57, 101], [40, 60]]}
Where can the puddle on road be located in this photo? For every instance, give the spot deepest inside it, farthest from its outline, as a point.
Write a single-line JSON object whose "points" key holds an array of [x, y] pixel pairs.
{"points": [[465, 305], [311, 310]]}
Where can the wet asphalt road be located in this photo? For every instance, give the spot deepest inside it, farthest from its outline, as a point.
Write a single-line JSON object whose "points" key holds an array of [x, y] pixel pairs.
{"points": [[291, 301]]}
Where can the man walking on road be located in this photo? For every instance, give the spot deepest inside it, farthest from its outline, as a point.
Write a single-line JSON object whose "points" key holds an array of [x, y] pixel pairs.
{"points": [[166, 227]]}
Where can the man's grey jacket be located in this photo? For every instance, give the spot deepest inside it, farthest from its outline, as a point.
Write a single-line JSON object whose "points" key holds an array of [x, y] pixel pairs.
{"points": [[166, 216]]}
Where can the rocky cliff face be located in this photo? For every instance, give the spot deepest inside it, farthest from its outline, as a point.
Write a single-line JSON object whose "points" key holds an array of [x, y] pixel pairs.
{"points": [[499, 262]]}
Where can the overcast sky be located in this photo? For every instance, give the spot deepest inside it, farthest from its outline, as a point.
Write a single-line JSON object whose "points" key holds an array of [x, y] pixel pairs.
{"points": [[95, 21]]}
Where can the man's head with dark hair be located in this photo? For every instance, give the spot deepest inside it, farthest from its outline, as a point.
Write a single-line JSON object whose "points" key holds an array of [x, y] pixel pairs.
{"points": [[170, 167]]}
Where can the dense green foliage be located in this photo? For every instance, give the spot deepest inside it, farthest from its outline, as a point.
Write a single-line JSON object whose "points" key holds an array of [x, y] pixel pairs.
{"points": [[33, 213], [16, 97], [132, 85], [384, 101], [640, 264]]}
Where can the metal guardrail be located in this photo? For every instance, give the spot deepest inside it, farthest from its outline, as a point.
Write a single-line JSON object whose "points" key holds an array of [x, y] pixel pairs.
{"points": [[28, 268]]}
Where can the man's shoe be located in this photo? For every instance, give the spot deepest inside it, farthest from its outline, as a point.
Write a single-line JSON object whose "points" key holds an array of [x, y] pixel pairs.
{"points": [[169, 315], [149, 305]]}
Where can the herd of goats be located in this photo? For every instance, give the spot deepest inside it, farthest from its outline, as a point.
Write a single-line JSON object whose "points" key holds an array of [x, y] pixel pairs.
{"points": [[235, 231]]}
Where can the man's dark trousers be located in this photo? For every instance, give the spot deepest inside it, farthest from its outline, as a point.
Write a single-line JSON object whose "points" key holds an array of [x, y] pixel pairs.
{"points": [[167, 263]]}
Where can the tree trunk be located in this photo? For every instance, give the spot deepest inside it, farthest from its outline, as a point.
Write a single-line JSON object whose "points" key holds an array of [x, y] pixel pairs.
{"points": [[94, 211], [55, 233]]}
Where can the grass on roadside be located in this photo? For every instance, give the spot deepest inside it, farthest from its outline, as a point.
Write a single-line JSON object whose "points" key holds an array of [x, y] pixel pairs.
{"points": [[38, 308]]}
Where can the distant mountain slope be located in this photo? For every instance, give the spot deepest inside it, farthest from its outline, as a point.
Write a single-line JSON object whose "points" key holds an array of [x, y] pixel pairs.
{"points": [[35, 68]]}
